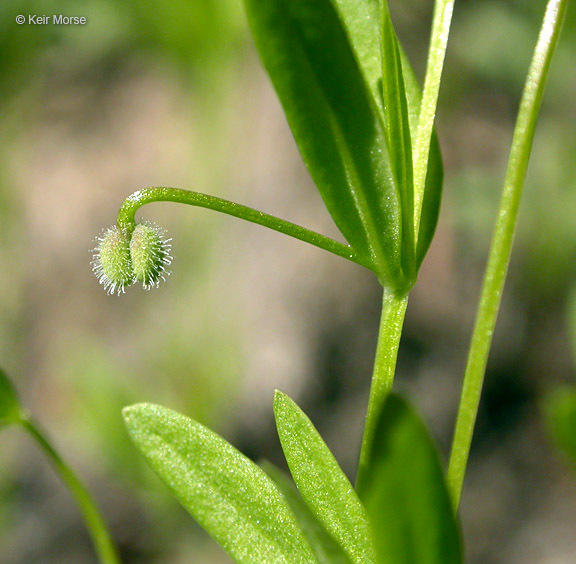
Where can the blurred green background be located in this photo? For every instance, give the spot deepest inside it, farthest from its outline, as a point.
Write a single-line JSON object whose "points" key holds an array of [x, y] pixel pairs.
{"points": [[171, 93]]}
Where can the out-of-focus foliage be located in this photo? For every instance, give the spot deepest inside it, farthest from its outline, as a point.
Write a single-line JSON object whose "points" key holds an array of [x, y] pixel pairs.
{"points": [[561, 412], [560, 403], [88, 114], [187, 34], [9, 405]]}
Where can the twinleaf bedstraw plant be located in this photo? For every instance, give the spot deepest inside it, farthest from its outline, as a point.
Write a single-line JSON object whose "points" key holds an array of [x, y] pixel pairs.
{"points": [[366, 133]]}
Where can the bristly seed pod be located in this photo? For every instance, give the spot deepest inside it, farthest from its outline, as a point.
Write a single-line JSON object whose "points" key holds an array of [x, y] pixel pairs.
{"points": [[150, 254], [111, 261]]}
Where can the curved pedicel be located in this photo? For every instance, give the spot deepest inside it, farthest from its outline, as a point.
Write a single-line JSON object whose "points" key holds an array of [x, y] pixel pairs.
{"points": [[139, 252]]}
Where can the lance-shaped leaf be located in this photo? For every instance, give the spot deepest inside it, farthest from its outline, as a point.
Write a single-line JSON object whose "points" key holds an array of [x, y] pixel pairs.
{"points": [[364, 24], [397, 131], [325, 548], [322, 483], [434, 174], [405, 493], [335, 121], [229, 495]]}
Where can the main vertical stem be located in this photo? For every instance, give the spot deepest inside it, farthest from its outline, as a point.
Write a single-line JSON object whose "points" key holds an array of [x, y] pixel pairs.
{"points": [[391, 322]]}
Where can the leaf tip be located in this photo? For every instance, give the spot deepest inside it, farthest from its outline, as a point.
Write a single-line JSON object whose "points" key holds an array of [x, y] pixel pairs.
{"points": [[281, 401], [279, 398], [132, 412]]}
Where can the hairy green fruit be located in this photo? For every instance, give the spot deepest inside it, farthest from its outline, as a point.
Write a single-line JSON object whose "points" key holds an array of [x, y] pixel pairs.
{"points": [[120, 261], [111, 262], [150, 254]]}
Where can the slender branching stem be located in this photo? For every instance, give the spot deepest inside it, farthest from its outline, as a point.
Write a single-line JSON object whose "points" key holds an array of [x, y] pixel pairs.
{"points": [[94, 522], [136, 200], [391, 322], [501, 245], [436, 54]]}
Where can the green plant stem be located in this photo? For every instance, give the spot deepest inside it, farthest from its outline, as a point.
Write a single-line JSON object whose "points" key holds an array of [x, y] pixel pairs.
{"points": [[391, 322], [443, 10], [500, 250], [136, 200], [95, 524]]}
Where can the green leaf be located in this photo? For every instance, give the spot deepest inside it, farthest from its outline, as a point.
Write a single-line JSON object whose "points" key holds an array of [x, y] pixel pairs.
{"points": [[229, 495], [430, 201], [362, 21], [405, 493], [327, 551], [10, 409], [336, 123], [397, 130], [321, 482], [560, 412], [434, 174]]}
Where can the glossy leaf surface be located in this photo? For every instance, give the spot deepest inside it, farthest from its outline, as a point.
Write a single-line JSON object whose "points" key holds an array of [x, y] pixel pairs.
{"points": [[397, 131], [335, 121], [322, 483], [405, 493], [229, 495], [364, 25]]}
